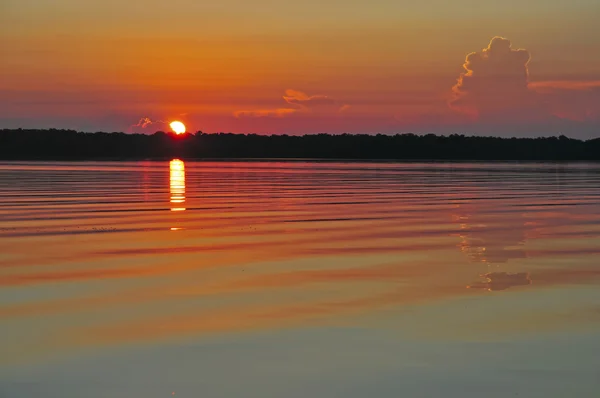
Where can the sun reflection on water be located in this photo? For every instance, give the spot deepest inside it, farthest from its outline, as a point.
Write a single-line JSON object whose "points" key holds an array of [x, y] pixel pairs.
{"points": [[177, 184]]}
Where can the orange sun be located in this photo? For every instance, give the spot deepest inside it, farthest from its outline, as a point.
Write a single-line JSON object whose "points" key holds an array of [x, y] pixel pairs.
{"points": [[177, 127]]}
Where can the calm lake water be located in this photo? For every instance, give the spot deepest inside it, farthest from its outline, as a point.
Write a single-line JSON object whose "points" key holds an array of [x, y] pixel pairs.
{"points": [[299, 279]]}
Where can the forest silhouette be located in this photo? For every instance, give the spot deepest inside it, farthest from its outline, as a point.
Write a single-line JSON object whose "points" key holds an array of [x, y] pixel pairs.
{"points": [[52, 144]]}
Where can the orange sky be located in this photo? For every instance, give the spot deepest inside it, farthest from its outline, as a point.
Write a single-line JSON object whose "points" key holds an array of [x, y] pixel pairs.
{"points": [[358, 66]]}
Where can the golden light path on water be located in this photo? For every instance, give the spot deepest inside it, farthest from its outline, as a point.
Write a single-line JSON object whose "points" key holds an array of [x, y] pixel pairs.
{"points": [[177, 184]]}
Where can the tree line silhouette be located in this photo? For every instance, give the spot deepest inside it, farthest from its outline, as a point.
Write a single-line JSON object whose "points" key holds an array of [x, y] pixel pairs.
{"points": [[52, 144]]}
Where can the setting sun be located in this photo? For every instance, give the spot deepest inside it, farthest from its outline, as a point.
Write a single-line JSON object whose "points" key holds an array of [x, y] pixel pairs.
{"points": [[177, 127]]}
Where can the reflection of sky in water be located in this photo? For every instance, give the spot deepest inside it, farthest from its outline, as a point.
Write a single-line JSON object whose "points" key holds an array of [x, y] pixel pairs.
{"points": [[496, 235], [327, 362], [288, 279], [502, 281], [492, 238]]}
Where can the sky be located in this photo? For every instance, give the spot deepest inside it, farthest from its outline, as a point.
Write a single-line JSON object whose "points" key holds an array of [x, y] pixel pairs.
{"points": [[514, 68]]}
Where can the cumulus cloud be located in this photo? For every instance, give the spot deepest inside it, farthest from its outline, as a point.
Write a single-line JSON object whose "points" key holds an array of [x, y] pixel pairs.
{"points": [[495, 80], [298, 102], [495, 87]]}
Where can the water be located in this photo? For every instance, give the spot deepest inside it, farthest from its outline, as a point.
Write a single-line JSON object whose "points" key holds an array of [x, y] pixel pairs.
{"points": [[295, 279]]}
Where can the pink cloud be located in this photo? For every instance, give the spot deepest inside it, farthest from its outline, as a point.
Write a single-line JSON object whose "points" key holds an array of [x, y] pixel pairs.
{"points": [[281, 112], [550, 86], [300, 102], [294, 97], [145, 122], [573, 100]]}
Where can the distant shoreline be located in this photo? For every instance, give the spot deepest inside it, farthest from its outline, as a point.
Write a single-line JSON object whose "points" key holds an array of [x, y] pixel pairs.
{"points": [[297, 160], [69, 145]]}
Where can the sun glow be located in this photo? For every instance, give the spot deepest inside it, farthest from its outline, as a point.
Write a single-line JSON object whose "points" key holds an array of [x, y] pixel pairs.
{"points": [[177, 127]]}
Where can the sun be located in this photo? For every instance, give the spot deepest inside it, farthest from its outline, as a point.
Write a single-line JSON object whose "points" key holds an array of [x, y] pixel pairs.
{"points": [[177, 127]]}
